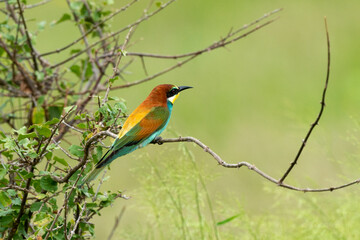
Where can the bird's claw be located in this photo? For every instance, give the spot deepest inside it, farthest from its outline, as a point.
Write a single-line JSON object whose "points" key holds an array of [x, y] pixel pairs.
{"points": [[158, 140]]}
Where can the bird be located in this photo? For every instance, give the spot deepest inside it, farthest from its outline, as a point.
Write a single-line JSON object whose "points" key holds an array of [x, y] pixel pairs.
{"points": [[142, 126]]}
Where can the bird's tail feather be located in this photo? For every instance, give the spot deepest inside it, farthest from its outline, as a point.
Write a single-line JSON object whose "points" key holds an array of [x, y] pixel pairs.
{"points": [[96, 171], [92, 175]]}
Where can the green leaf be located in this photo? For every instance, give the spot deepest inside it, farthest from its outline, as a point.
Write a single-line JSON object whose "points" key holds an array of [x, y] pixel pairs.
{"points": [[61, 161], [21, 130], [114, 98], [6, 212], [158, 4], [48, 156], [82, 126], [28, 135], [10, 144], [108, 2], [68, 108], [52, 121], [76, 70], [41, 25], [112, 80], [38, 115], [6, 220], [25, 174], [99, 152], [227, 220], [91, 205], [121, 105], [42, 219], [4, 199], [35, 206], [3, 171], [48, 184], [55, 112], [73, 51], [12, 192], [123, 52], [39, 76], [76, 6], [88, 70], [65, 17], [76, 150], [43, 131]]}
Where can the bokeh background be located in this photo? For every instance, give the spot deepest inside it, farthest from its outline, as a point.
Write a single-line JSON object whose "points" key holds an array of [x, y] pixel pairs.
{"points": [[252, 101]]}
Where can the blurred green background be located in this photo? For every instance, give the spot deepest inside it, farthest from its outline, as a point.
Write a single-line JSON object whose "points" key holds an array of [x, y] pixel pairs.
{"points": [[252, 101]]}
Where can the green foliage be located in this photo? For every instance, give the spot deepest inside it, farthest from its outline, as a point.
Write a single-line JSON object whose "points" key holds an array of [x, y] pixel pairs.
{"points": [[38, 100]]}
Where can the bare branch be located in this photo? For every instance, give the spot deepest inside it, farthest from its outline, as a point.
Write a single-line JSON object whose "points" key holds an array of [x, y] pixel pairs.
{"points": [[320, 113], [17, 188], [214, 46], [85, 157], [249, 166], [92, 29], [37, 4], [67, 196], [115, 71], [114, 34], [77, 222], [221, 43], [117, 221], [28, 36]]}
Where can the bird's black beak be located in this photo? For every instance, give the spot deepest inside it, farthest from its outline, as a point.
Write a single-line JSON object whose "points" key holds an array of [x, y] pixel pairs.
{"points": [[181, 88]]}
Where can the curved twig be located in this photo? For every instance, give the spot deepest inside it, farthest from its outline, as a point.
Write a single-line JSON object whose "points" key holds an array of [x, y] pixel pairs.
{"points": [[293, 163], [84, 158]]}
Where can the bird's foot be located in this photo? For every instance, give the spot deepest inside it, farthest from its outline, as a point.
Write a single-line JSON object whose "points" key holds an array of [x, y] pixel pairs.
{"points": [[158, 140]]}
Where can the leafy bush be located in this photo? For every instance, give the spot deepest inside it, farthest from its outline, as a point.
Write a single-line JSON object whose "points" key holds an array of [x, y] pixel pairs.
{"points": [[45, 104]]}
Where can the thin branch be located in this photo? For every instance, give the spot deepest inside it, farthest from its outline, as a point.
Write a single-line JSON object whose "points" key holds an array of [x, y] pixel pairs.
{"points": [[72, 127], [92, 29], [67, 196], [18, 188], [249, 166], [221, 43], [24, 73], [37, 4], [320, 113], [98, 188], [28, 36], [22, 209], [52, 135], [115, 71], [117, 221], [114, 34], [119, 195], [179, 64], [77, 222], [85, 157], [64, 151]]}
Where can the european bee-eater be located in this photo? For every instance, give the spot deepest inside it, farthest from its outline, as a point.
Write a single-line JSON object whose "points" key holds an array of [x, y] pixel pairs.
{"points": [[143, 125]]}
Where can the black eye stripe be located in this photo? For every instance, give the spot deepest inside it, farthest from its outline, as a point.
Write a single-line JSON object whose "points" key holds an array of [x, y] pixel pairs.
{"points": [[172, 92]]}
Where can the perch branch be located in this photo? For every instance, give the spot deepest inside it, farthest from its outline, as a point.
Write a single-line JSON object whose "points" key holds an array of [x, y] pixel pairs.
{"points": [[249, 166]]}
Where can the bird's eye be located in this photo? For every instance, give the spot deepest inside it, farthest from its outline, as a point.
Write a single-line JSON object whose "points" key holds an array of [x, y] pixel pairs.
{"points": [[173, 92]]}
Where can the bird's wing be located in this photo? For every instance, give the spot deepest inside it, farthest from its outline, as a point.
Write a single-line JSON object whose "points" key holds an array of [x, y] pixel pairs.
{"points": [[154, 120], [141, 126]]}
